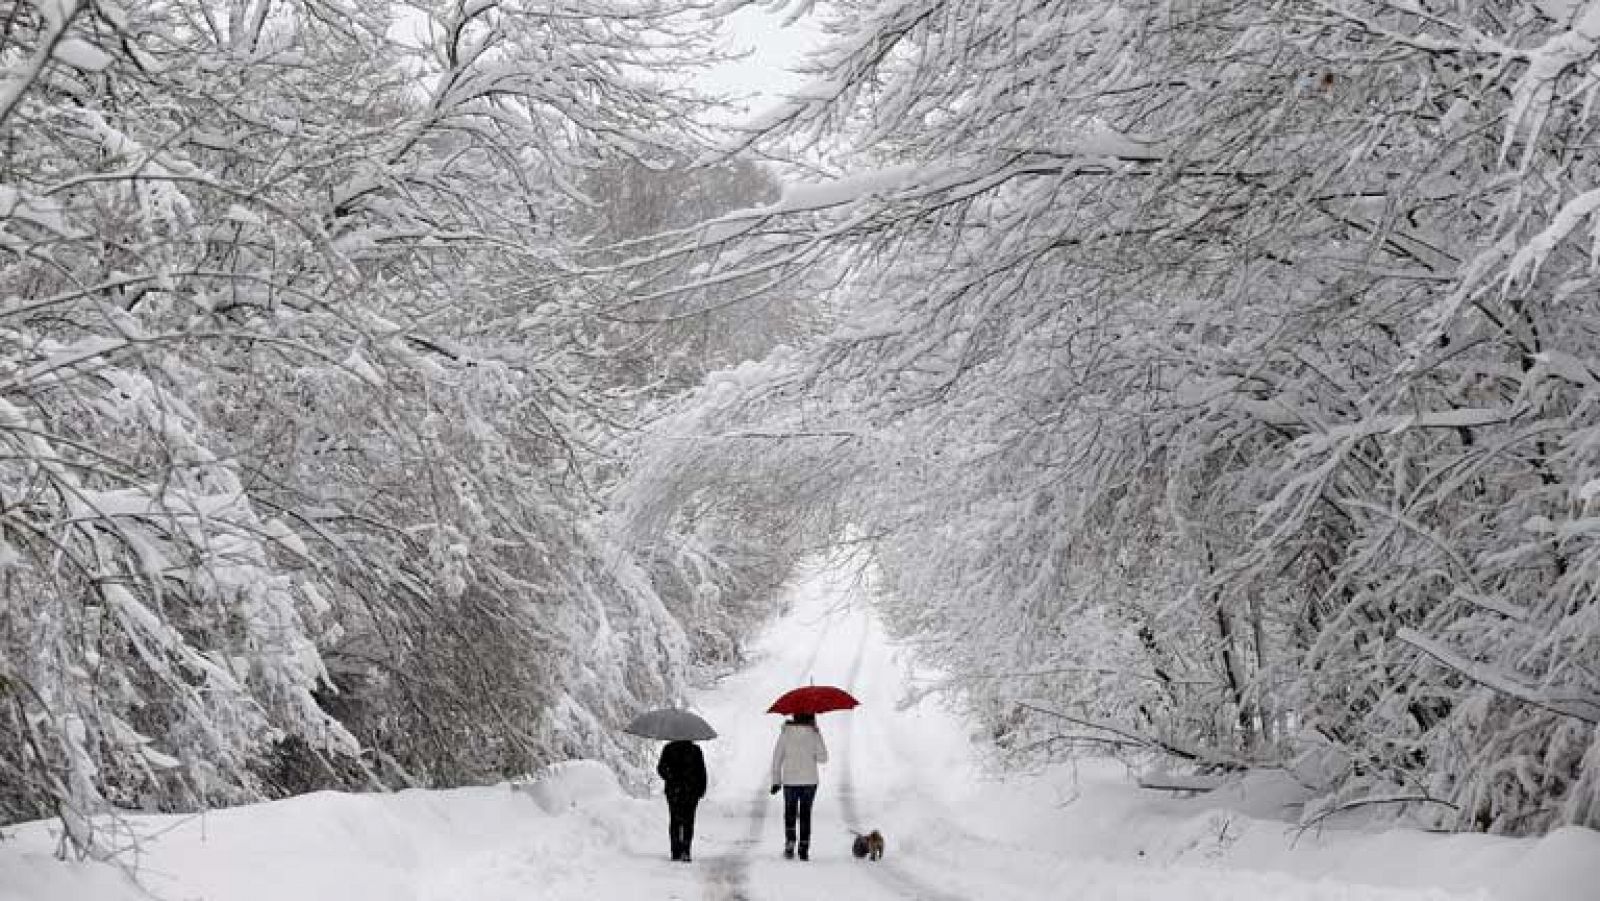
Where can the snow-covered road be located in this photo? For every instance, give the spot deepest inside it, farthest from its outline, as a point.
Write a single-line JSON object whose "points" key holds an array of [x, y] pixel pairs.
{"points": [[907, 769], [910, 773]]}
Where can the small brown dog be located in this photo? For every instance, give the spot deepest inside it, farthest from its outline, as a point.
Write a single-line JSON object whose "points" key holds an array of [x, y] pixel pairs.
{"points": [[869, 846]]}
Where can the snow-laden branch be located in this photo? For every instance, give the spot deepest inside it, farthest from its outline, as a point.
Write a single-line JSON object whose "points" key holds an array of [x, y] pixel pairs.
{"points": [[1585, 707], [58, 18]]}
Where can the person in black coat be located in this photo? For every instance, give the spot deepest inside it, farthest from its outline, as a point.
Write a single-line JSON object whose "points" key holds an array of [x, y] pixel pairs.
{"points": [[683, 768]]}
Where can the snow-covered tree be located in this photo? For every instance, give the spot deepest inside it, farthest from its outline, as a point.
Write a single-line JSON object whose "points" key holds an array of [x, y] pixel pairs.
{"points": [[666, 346], [721, 515], [296, 426], [715, 551], [1239, 358]]}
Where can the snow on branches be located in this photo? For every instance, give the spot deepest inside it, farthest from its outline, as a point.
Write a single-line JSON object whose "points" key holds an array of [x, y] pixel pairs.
{"points": [[1228, 371], [298, 441]]}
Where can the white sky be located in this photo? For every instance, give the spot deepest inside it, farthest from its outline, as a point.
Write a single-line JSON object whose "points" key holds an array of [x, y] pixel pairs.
{"points": [[756, 81], [762, 77]]}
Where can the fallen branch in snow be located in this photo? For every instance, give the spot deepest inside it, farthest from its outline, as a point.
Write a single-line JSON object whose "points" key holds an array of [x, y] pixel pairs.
{"points": [[1114, 743], [1174, 782], [1198, 755], [1367, 802], [1085, 670]]}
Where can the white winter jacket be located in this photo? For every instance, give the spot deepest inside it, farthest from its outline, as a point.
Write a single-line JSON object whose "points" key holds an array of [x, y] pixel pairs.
{"points": [[800, 749]]}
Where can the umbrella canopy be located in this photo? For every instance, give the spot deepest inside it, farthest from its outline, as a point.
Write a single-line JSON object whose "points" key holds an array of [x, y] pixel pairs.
{"points": [[813, 699], [670, 724]]}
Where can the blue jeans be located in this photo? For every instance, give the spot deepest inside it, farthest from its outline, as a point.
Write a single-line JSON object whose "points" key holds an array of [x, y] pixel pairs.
{"points": [[797, 805]]}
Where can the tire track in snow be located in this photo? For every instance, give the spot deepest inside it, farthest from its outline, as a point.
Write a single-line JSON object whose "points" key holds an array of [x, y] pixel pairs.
{"points": [[808, 669], [891, 876], [727, 878], [847, 787]]}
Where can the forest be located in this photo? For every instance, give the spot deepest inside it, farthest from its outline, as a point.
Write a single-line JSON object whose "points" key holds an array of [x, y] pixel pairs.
{"points": [[406, 392]]}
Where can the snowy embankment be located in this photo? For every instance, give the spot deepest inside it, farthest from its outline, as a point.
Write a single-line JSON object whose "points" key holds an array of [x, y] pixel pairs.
{"points": [[1085, 833]]}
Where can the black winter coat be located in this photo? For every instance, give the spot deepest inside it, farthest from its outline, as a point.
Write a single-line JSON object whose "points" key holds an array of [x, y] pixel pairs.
{"points": [[683, 768]]}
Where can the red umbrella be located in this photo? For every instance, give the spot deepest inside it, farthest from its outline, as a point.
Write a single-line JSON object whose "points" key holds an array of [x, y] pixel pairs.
{"points": [[813, 699]]}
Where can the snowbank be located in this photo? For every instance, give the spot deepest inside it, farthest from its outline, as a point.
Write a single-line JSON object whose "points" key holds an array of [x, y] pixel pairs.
{"points": [[1095, 809], [563, 787], [556, 832], [1562, 866]]}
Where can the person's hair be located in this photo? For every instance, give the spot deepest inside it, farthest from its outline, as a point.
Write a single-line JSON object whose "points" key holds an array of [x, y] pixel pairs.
{"points": [[805, 719]]}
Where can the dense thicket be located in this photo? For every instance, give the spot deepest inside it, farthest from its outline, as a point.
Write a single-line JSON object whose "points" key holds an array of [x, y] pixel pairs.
{"points": [[1220, 375], [715, 545], [302, 411]]}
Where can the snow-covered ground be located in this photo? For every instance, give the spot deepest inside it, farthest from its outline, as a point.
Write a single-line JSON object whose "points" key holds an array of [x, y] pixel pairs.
{"points": [[1083, 833]]}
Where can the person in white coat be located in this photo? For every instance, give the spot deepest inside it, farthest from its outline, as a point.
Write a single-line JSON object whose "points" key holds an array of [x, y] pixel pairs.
{"points": [[800, 750]]}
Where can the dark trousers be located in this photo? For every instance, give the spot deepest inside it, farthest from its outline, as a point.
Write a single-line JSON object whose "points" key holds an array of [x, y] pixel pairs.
{"points": [[680, 824], [797, 807]]}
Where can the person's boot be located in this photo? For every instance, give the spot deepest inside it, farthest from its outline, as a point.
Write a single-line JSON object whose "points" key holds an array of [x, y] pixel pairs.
{"points": [[788, 849], [805, 850]]}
